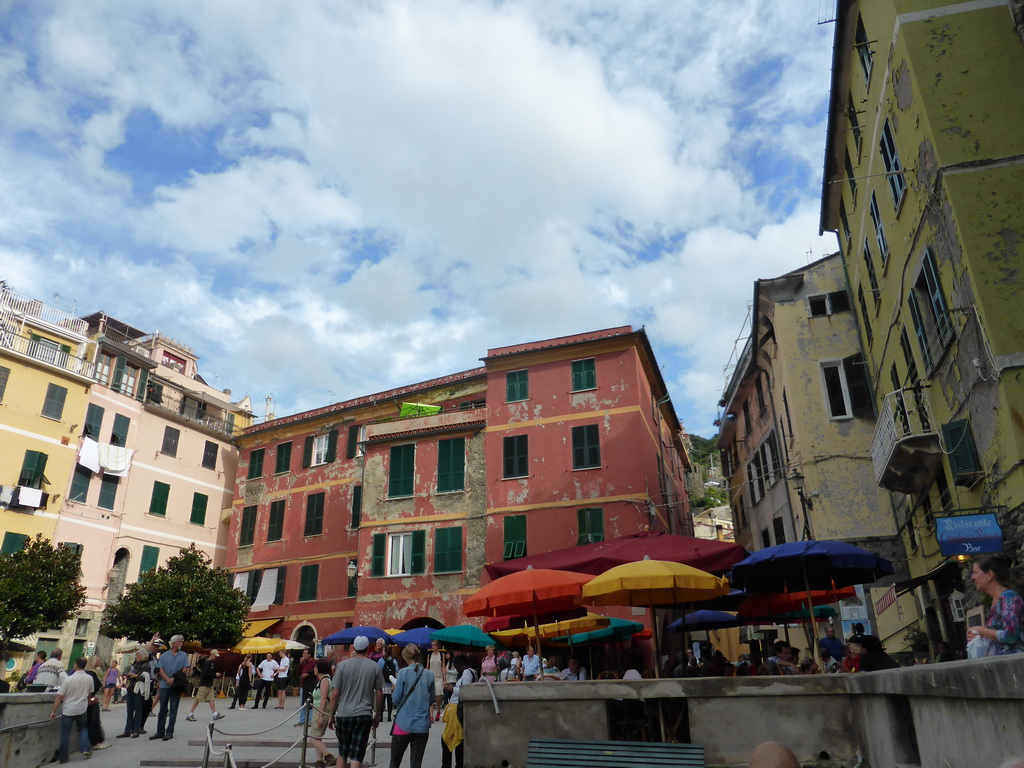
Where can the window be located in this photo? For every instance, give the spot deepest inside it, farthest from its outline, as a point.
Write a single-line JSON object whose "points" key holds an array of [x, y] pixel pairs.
{"points": [[864, 53], [247, 529], [256, 464], [779, 529], [828, 303], [170, 443], [929, 314], [356, 436], [448, 550], [844, 222], [847, 391], [590, 524], [283, 458], [583, 375], [852, 179], [586, 448], [451, 464], [400, 470], [53, 403], [320, 449], [93, 421], [128, 379], [33, 468], [119, 432], [869, 265], [158, 500], [282, 571], [82, 627], [876, 221], [893, 166], [762, 404], [309, 576], [5, 375], [13, 542], [78, 549], [515, 537], [48, 351], [80, 485], [398, 554], [314, 514], [748, 422], [864, 313], [199, 502], [108, 492], [517, 386], [516, 456], [357, 506], [210, 455], [958, 443], [275, 525], [150, 557], [855, 130], [253, 582]]}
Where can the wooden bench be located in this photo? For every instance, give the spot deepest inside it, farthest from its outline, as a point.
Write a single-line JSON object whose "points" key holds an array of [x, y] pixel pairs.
{"points": [[569, 753]]}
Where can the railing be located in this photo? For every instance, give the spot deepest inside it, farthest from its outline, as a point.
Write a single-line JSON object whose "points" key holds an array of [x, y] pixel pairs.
{"points": [[23, 305], [46, 353], [905, 413], [189, 408]]}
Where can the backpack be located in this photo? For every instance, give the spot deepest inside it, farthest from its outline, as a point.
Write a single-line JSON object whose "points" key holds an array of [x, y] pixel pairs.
{"points": [[22, 682], [390, 669]]}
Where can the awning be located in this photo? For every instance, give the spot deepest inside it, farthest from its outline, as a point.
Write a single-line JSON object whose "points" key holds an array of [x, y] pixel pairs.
{"points": [[942, 569], [258, 625]]}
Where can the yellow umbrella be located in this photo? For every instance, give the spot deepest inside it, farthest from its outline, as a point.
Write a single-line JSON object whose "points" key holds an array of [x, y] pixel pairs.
{"points": [[653, 582], [259, 645], [523, 636]]}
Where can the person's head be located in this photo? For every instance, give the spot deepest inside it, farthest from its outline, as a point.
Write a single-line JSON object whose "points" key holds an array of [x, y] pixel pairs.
{"points": [[830, 631], [378, 647], [80, 662], [503, 663], [40, 656], [489, 650], [411, 654], [361, 644], [529, 651], [56, 653], [282, 653], [270, 655], [305, 655], [574, 665], [826, 654], [854, 647], [434, 646], [858, 628], [779, 645], [142, 655], [555, 662], [459, 662], [515, 655], [323, 667], [214, 654], [176, 642], [991, 570]]}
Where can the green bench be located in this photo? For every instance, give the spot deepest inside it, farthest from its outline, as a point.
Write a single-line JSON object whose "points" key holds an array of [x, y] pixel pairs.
{"points": [[568, 753]]}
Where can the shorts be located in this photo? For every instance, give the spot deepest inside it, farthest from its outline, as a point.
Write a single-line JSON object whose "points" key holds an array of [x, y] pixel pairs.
{"points": [[205, 693], [353, 736], [109, 686], [438, 686], [281, 683], [316, 731]]}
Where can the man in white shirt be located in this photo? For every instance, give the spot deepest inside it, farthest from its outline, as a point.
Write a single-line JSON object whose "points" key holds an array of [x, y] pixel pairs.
{"points": [[51, 673], [267, 670], [574, 671], [73, 701], [283, 667]]}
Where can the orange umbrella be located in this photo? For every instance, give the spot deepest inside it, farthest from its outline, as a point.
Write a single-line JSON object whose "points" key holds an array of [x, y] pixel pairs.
{"points": [[530, 592], [769, 605]]}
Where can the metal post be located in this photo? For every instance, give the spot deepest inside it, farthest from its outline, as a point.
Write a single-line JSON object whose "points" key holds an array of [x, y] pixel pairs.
{"points": [[209, 743], [308, 706]]}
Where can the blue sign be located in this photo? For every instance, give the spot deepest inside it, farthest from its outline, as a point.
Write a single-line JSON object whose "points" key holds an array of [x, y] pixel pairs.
{"points": [[968, 534]]}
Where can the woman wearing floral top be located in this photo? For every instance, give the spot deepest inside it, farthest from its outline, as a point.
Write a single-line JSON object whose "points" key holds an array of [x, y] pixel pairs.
{"points": [[991, 573]]}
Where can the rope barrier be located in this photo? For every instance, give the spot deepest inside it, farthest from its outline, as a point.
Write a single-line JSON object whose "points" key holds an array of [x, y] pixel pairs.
{"points": [[258, 733]]}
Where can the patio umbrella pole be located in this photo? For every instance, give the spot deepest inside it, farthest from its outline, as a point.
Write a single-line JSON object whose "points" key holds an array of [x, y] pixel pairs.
{"points": [[657, 667], [812, 639]]}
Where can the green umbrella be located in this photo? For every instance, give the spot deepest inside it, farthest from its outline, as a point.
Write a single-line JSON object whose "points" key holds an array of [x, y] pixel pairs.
{"points": [[619, 629], [465, 634]]}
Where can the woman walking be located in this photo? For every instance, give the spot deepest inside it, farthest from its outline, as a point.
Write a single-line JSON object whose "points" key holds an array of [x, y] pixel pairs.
{"points": [[414, 694], [319, 717], [137, 681], [243, 682], [109, 684]]}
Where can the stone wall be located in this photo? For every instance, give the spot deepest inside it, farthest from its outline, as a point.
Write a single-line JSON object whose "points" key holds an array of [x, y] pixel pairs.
{"points": [[28, 738]]}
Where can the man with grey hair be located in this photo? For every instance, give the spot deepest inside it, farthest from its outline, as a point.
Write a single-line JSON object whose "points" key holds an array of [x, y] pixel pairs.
{"points": [[168, 665], [51, 672]]}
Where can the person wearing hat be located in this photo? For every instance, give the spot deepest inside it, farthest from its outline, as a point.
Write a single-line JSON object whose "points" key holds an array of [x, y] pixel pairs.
{"points": [[207, 675], [357, 698], [413, 695]]}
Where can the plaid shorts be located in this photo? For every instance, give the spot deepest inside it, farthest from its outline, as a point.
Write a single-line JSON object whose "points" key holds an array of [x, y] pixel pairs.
{"points": [[353, 736]]}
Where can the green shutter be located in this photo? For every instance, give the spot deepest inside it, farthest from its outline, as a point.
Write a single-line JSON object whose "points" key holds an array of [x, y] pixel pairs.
{"points": [[33, 469], [140, 389], [307, 451], [332, 446], [583, 375], [448, 550], [80, 485], [517, 386], [199, 502], [119, 434], [283, 458], [515, 537], [93, 421], [119, 366], [13, 542], [275, 526], [308, 582], [590, 524], [108, 492], [5, 375], [53, 403], [357, 506], [150, 557], [419, 551], [353, 441], [451, 463], [400, 471], [247, 528], [314, 514], [958, 443], [279, 592], [158, 501], [380, 545]]}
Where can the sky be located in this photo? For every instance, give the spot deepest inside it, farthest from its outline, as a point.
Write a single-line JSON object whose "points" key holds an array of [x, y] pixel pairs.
{"points": [[330, 199]]}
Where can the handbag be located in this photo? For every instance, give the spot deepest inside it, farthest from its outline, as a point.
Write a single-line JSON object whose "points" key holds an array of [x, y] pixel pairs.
{"points": [[398, 708]]}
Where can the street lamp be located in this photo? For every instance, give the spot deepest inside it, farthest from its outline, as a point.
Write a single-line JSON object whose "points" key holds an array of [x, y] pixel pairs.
{"points": [[805, 504], [353, 582]]}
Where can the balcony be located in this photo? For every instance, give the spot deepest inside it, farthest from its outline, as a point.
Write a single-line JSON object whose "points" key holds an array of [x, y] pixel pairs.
{"points": [[21, 307], [439, 422], [190, 410], [46, 352], [905, 449]]}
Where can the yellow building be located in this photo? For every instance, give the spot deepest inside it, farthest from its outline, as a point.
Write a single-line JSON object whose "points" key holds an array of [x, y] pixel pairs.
{"points": [[924, 184], [45, 378]]}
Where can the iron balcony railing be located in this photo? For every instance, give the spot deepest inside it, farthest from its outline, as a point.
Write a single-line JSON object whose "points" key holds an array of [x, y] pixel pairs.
{"points": [[46, 352], [905, 417], [23, 305], [208, 415]]}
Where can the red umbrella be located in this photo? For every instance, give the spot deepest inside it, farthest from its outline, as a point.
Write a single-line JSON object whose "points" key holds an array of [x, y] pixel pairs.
{"points": [[706, 555], [764, 605], [499, 623], [533, 591]]}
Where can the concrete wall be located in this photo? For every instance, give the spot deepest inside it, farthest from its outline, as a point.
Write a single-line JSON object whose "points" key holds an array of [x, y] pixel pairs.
{"points": [[967, 714], [33, 738]]}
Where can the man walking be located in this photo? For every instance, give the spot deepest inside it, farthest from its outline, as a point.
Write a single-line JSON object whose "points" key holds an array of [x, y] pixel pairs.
{"points": [[207, 675], [167, 666], [73, 701], [357, 696]]}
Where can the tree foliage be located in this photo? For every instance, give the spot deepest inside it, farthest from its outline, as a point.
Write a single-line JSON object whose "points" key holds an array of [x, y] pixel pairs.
{"points": [[39, 588], [187, 597]]}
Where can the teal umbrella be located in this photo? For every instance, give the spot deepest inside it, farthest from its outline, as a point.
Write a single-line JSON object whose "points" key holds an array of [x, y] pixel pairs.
{"points": [[619, 629], [465, 634]]}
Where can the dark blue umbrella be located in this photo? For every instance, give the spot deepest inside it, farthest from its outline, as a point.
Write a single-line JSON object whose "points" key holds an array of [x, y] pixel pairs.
{"points": [[702, 620], [346, 636], [806, 565], [419, 636], [728, 602]]}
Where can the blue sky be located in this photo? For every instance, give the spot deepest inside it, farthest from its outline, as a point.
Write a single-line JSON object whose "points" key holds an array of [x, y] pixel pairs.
{"points": [[327, 200]]}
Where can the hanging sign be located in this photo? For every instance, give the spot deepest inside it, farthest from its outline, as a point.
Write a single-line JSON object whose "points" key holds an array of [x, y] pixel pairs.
{"points": [[968, 534]]}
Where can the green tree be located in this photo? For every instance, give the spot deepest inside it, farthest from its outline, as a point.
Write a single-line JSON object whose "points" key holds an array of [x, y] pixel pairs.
{"points": [[185, 597], [39, 588]]}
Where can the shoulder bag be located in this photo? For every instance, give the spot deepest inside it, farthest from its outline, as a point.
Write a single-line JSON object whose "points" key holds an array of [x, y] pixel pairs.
{"points": [[398, 707]]}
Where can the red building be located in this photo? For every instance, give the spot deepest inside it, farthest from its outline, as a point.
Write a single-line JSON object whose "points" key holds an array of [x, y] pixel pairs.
{"points": [[383, 510]]}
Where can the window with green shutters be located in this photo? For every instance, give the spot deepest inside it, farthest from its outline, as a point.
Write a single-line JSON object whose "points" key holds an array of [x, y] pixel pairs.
{"points": [[158, 500], [5, 375], [515, 537], [80, 484], [352, 446], [253, 584], [150, 557], [583, 375], [451, 464], [53, 403], [517, 386], [516, 456], [275, 525], [586, 447], [282, 571], [255, 464], [398, 554], [199, 502], [377, 554], [590, 525], [247, 527], [357, 506], [400, 470], [314, 514], [93, 421], [283, 458], [308, 579], [210, 455], [13, 542], [33, 469], [170, 442], [958, 444], [108, 492], [119, 433], [448, 550]]}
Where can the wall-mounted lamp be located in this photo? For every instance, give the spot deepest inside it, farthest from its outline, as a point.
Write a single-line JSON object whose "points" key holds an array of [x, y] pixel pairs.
{"points": [[806, 504], [353, 580]]}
